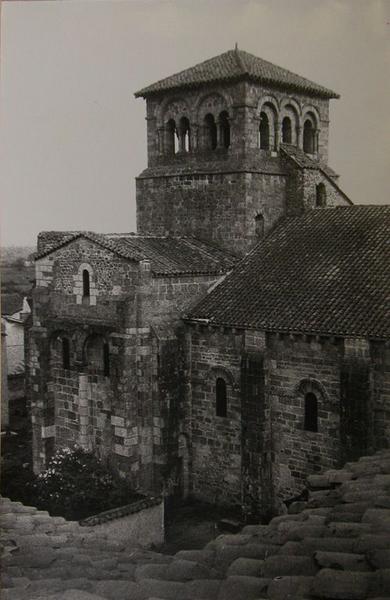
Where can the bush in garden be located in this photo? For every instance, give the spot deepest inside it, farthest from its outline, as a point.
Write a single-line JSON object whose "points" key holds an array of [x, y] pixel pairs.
{"points": [[77, 485]]}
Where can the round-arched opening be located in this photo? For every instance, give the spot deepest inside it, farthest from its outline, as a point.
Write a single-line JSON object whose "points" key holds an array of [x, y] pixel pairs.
{"points": [[311, 412], [320, 195], [264, 132], [210, 132], [86, 284], [308, 137], [220, 398], [171, 141], [224, 127], [259, 226], [97, 355], [286, 131], [184, 135]]}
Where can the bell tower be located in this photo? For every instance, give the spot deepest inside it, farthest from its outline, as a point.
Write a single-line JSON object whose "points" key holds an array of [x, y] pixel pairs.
{"points": [[217, 137]]}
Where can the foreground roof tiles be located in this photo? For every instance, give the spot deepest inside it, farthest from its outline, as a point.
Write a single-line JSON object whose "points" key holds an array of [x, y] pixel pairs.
{"points": [[168, 255], [323, 272], [334, 546], [234, 65]]}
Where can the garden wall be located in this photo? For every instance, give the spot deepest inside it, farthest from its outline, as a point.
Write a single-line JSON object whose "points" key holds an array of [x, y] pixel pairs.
{"points": [[140, 523]]}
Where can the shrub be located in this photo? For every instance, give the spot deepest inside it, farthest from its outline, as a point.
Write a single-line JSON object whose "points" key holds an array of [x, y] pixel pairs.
{"points": [[77, 485]]}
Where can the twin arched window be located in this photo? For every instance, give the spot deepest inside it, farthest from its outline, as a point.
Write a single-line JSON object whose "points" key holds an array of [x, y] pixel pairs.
{"points": [[97, 355], [216, 134]]}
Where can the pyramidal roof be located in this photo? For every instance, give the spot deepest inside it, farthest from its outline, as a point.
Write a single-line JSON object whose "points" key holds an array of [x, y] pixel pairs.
{"points": [[234, 65]]}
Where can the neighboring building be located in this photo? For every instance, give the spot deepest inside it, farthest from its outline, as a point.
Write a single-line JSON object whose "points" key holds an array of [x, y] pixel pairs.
{"points": [[276, 364], [15, 312]]}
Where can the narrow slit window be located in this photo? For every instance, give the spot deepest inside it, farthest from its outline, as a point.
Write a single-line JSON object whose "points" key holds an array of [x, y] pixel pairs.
{"points": [[259, 226], [220, 397], [320, 195], [311, 412], [86, 284], [106, 359], [65, 353]]}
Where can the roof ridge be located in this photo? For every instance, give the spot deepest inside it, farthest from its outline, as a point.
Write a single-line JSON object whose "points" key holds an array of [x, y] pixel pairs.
{"points": [[240, 60]]}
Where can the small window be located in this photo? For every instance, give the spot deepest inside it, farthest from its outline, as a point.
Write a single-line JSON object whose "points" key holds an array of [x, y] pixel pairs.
{"points": [[224, 129], [220, 397], [264, 132], [286, 131], [320, 195], [311, 412], [106, 359], [86, 284], [65, 353], [259, 226]]}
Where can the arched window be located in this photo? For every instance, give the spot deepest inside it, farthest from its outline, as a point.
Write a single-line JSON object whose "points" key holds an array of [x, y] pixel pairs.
{"points": [[264, 131], [220, 398], [65, 353], [224, 127], [171, 137], [106, 359], [259, 226], [286, 131], [86, 284], [311, 412], [320, 195], [184, 132], [210, 132], [308, 137]]}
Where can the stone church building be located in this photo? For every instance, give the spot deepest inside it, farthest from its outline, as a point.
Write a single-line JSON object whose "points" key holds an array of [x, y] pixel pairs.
{"points": [[237, 342]]}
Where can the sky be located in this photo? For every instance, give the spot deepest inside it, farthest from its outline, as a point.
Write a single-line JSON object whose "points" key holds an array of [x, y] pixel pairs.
{"points": [[73, 137]]}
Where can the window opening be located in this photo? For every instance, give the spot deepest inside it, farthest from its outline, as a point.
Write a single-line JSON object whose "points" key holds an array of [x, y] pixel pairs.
{"points": [[286, 131], [65, 353], [220, 397], [308, 137], [311, 412], [184, 140], [259, 226], [264, 131], [86, 284], [320, 195], [224, 129], [210, 132]]}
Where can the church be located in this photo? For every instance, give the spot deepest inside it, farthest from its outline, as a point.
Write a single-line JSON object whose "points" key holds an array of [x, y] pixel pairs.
{"points": [[238, 342]]}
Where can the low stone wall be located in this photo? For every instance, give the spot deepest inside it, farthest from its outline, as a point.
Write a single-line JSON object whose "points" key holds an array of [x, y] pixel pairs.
{"points": [[140, 523]]}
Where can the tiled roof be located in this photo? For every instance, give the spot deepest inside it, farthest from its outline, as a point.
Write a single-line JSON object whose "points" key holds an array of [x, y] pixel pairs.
{"points": [[334, 545], [304, 161], [323, 272], [168, 255], [233, 65]]}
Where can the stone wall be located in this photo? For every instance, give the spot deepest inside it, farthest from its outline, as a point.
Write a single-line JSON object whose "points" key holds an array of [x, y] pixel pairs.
{"points": [[140, 524], [266, 447]]}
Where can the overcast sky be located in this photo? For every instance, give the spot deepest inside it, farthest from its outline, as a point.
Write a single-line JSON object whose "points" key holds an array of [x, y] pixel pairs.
{"points": [[73, 136]]}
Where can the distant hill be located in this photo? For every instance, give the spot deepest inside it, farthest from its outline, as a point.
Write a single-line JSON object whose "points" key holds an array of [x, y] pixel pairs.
{"points": [[11, 254]]}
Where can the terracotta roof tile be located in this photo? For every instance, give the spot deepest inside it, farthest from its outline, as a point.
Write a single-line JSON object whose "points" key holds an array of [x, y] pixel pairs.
{"points": [[233, 65], [323, 272]]}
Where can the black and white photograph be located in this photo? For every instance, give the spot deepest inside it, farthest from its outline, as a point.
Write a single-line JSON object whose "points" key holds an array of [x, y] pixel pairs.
{"points": [[195, 295]]}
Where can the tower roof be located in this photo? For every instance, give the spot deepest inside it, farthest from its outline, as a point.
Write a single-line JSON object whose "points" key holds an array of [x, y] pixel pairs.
{"points": [[235, 65]]}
